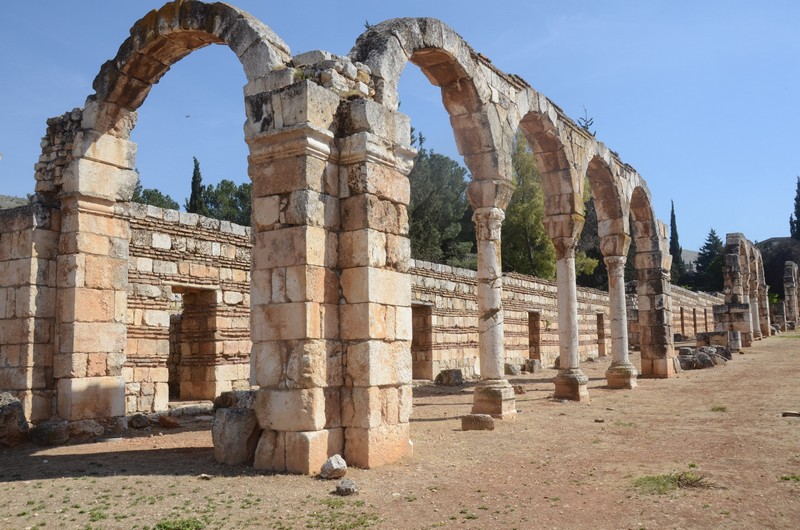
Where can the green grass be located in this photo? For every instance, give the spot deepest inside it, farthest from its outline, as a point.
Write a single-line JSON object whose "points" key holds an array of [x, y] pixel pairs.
{"points": [[719, 408], [661, 484], [790, 478], [179, 524]]}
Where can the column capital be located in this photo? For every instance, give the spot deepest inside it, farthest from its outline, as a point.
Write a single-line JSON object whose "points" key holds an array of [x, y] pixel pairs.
{"points": [[615, 265], [488, 223]]}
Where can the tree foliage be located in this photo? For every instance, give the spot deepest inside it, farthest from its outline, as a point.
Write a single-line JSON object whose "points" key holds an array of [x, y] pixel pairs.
{"points": [[590, 269], [678, 266], [437, 209], [153, 197], [526, 248], [710, 258], [228, 201], [794, 219]]}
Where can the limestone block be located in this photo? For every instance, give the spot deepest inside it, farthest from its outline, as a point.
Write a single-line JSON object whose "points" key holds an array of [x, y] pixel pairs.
{"points": [[363, 321], [71, 270], [309, 283], [368, 211], [291, 410], [398, 252], [97, 179], [306, 452], [308, 207], [291, 364], [299, 245], [383, 181], [106, 273], [377, 363], [363, 248], [235, 434], [368, 448], [161, 241], [292, 321], [381, 286], [92, 337], [271, 452], [91, 397], [284, 174]]}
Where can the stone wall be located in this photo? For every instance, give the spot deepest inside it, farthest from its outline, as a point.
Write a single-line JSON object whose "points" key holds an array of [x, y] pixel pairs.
{"points": [[28, 249], [189, 279], [445, 319]]}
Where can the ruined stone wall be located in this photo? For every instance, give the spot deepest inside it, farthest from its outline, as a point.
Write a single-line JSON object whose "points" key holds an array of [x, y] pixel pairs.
{"points": [[444, 302], [57, 152], [188, 277], [28, 249]]}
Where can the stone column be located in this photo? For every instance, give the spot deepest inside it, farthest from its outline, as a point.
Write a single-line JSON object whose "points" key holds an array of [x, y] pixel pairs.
{"points": [[493, 395], [570, 383], [763, 309], [296, 356], [754, 317], [92, 269], [621, 373]]}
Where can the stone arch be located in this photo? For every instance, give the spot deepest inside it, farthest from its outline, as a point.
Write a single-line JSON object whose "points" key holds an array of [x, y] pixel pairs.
{"points": [[94, 236], [612, 225], [483, 139], [652, 263]]}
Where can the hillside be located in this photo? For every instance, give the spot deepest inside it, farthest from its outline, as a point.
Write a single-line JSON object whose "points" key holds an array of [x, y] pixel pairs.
{"points": [[776, 251]]}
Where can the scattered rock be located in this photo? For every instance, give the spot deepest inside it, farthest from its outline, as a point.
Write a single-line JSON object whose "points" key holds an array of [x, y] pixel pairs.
{"points": [[557, 362], [512, 369], [533, 366], [203, 476], [14, 427], [235, 433], [790, 414], [50, 433], [591, 360], [477, 422], [685, 350], [235, 399], [452, 377], [85, 429], [138, 421], [192, 409], [334, 467], [599, 420], [168, 422], [518, 389], [346, 487]]}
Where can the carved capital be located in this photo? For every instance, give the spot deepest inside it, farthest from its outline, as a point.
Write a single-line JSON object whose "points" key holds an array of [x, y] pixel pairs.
{"points": [[565, 247], [488, 223], [616, 265]]}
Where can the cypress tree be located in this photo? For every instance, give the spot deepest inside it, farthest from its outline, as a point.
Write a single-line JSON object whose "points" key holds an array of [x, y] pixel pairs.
{"points": [[794, 219], [195, 203], [678, 266]]}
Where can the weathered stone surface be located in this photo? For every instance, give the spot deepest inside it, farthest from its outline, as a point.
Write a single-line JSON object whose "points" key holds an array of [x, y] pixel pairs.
{"points": [[14, 427], [512, 369], [346, 487], [238, 399], [477, 422], [235, 434], [168, 422], [334, 467], [85, 430], [138, 421], [50, 433], [452, 377]]}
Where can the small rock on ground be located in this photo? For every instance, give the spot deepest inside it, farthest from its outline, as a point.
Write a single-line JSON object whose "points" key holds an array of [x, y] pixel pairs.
{"points": [[138, 421], [346, 487], [168, 422], [334, 467], [791, 414], [477, 422]]}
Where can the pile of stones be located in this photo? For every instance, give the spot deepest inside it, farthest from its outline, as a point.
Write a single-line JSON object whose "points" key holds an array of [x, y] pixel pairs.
{"points": [[704, 357]]}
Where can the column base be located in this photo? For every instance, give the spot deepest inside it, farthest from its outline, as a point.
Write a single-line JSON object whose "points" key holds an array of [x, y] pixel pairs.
{"points": [[496, 398], [571, 384], [621, 375]]}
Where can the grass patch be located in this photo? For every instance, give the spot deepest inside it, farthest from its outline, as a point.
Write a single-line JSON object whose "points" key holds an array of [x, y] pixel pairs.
{"points": [[179, 524], [719, 408], [790, 478], [661, 484]]}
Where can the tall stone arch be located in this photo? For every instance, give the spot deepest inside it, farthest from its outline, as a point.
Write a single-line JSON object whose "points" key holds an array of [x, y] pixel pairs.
{"points": [[92, 265], [654, 291], [478, 114]]}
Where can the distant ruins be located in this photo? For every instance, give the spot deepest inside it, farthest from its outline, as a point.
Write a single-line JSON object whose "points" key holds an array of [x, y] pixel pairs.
{"points": [[109, 308]]}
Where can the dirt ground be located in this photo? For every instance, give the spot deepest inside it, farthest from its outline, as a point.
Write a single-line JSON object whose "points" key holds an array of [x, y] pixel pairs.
{"points": [[558, 465]]}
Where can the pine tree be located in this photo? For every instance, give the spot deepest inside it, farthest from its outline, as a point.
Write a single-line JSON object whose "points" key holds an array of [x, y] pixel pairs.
{"points": [[526, 246], [794, 219], [195, 203], [152, 196], [675, 250], [709, 264]]}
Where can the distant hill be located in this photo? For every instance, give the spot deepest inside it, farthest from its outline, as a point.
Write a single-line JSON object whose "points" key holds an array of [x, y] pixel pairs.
{"points": [[689, 258], [9, 201], [775, 252]]}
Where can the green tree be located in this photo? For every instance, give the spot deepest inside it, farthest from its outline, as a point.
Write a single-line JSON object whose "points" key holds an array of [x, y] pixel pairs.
{"points": [[590, 269], [228, 202], [437, 208], [153, 197], [526, 248], [195, 204], [675, 250], [794, 219], [710, 259]]}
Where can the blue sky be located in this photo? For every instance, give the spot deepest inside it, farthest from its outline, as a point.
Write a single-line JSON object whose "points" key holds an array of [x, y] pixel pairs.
{"points": [[702, 98]]}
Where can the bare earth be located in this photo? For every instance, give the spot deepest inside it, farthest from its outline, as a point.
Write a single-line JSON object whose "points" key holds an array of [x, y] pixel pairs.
{"points": [[558, 465]]}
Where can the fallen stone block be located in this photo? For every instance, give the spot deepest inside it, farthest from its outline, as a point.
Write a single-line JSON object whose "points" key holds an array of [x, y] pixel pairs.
{"points": [[14, 427], [50, 433], [235, 399], [512, 369], [452, 377], [334, 467], [477, 422], [235, 434]]}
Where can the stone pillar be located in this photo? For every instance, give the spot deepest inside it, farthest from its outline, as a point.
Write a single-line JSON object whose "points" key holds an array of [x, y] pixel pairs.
{"points": [[654, 292], [374, 256], [92, 269], [754, 317], [763, 309], [790, 293], [621, 373], [493, 395], [570, 383], [296, 356]]}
